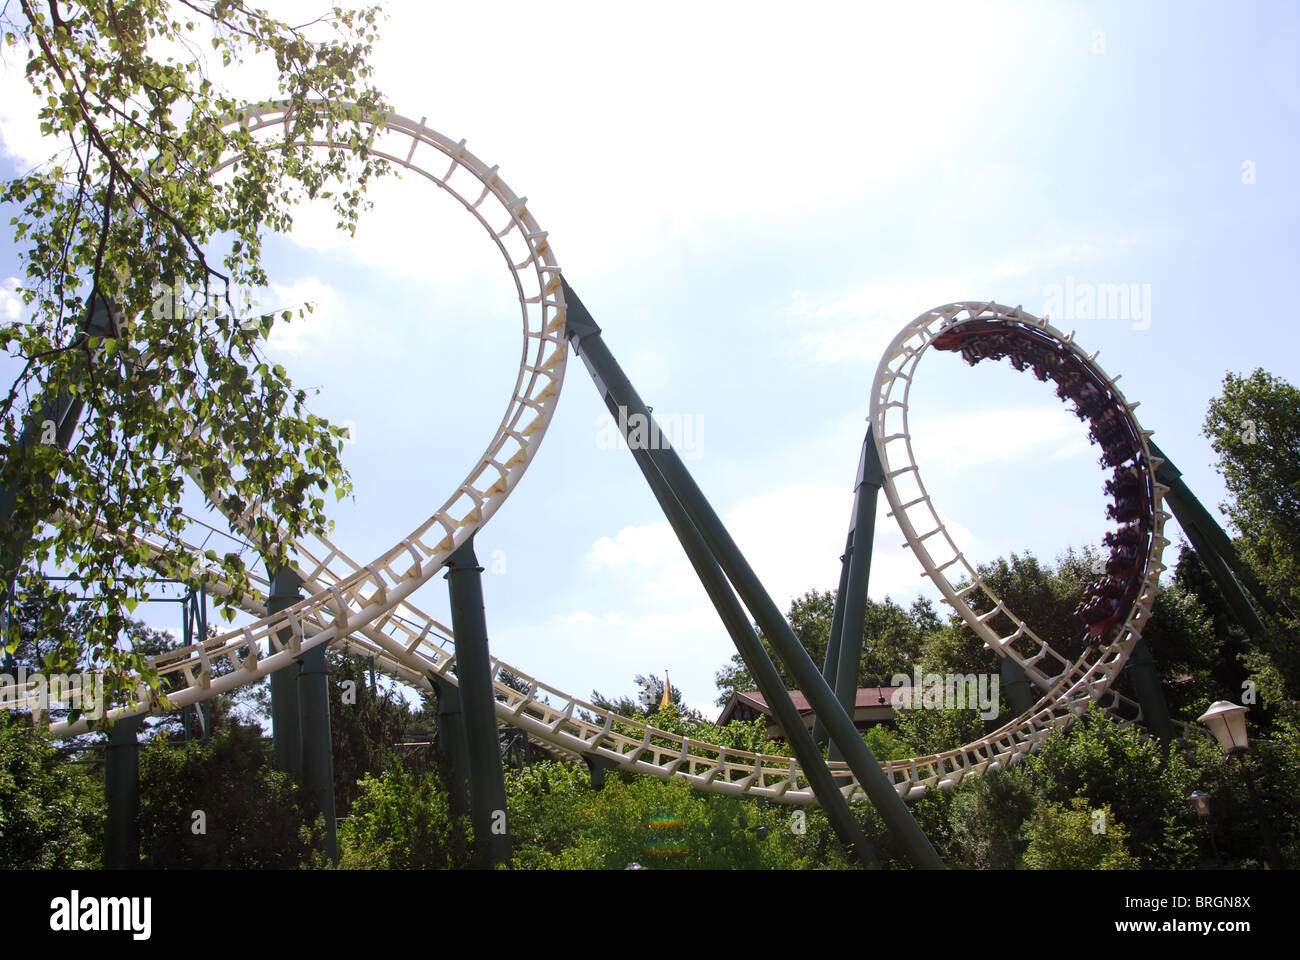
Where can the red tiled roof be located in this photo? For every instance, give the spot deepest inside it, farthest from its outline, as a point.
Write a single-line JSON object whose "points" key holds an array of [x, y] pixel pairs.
{"points": [[866, 697]]}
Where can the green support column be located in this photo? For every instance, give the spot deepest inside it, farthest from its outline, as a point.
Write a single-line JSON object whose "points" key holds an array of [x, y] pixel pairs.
{"points": [[452, 744], [598, 766], [832, 664], [487, 788], [286, 730], [611, 380], [317, 745], [102, 322], [1141, 670], [862, 532], [122, 794], [1016, 686], [1190, 520], [1216, 550], [756, 659]]}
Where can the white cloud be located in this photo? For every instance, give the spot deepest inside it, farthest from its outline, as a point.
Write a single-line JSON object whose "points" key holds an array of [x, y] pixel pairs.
{"points": [[856, 326], [11, 305], [19, 127], [999, 436], [293, 337], [643, 546]]}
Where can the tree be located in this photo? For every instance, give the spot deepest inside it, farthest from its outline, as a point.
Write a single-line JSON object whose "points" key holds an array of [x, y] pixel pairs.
{"points": [[1128, 772], [221, 805], [365, 726], [1194, 663], [1043, 595], [646, 702], [892, 637], [130, 216], [1254, 427], [1066, 837], [51, 814], [402, 821]]}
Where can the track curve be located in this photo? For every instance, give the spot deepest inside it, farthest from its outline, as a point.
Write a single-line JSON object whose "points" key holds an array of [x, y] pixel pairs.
{"points": [[368, 608]]}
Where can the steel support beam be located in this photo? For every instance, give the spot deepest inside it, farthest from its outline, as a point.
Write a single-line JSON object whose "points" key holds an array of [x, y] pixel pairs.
{"points": [[122, 794], [832, 663], [614, 386], [1141, 670], [1015, 684], [317, 744], [598, 767], [756, 659], [286, 729], [487, 789], [862, 531], [1216, 550], [1189, 519], [453, 746]]}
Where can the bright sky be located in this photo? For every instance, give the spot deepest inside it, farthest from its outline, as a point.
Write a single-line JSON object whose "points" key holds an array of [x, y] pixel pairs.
{"points": [[752, 202]]}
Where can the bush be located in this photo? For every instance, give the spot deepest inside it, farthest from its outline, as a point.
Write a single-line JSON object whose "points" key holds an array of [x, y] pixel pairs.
{"points": [[1065, 837], [51, 813], [253, 814], [543, 802], [987, 819], [1275, 769], [402, 821], [1123, 769]]}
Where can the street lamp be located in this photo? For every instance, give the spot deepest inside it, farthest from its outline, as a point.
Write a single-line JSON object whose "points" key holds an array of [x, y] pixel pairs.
{"points": [[1227, 721], [1200, 802]]}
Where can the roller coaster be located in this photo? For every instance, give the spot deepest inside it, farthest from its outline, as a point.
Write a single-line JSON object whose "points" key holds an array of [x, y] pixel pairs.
{"points": [[369, 608]]}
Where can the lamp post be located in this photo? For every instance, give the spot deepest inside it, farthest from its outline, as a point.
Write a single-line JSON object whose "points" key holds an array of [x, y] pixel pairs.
{"points": [[1227, 721], [1200, 803]]}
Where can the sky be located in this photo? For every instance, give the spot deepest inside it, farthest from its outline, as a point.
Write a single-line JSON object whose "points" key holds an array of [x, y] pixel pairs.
{"points": [[752, 201]]}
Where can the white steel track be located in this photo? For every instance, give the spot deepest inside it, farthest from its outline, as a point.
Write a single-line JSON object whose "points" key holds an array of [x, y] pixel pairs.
{"points": [[367, 607]]}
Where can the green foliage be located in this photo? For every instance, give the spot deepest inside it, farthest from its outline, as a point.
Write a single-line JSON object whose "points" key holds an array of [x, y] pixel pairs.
{"points": [[986, 819], [886, 744], [738, 735], [130, 209], [662, 826], [1062, 837], [401, 821], [1275, 766], [892, 637], [1045, 595], [365, 725], [51, 813], [559, 822], [650, 691], [544, 803], [928, 731], [254, 814], [1123, 769], [1254, 427], [1181, 637]]}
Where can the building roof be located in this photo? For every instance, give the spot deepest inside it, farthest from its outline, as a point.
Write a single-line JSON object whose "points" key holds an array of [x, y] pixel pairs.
{"points": [[867, 701]]}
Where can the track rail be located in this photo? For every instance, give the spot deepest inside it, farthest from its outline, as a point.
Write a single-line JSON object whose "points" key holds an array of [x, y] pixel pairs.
{"points": [[366, 607]]}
